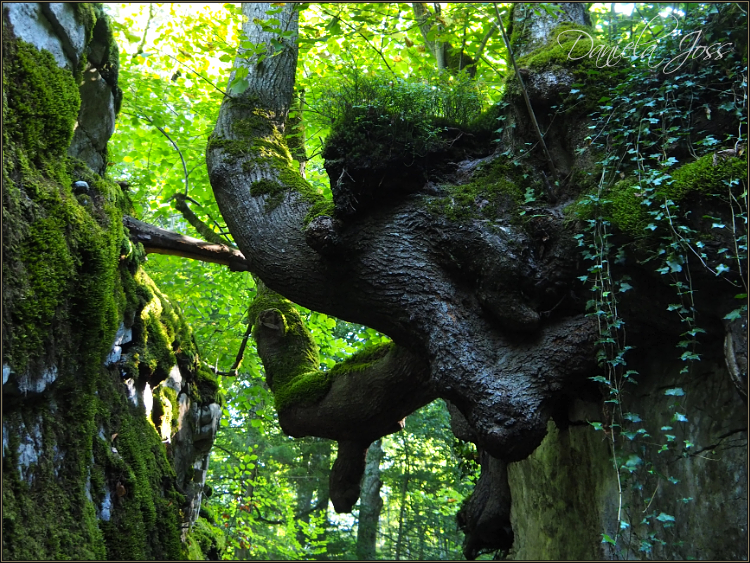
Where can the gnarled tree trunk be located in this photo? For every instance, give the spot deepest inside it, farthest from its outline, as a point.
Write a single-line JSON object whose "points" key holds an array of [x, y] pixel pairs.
{"points": [[460, 296]]}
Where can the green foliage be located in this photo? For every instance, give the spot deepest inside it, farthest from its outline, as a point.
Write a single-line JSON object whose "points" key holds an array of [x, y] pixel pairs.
{"points": [[457, 100], [626, 201], [425, 485], [170, 82], [380, 116], [379, 43]]}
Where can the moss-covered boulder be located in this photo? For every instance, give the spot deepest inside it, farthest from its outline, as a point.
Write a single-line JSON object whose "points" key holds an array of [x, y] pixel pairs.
{"points": [[102, 386]]}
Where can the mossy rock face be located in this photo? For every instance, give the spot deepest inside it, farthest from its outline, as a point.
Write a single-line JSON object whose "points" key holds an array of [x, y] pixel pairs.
{"points": [[206, 540], [42, 100], [160, 340], [85, 474]]}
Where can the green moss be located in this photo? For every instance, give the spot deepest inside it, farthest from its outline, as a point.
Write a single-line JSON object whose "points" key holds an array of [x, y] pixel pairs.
{"points": [[495, 189], [362, 360], [292, 366], [206, 387], [168, 423], [206, 540], [63, 529], [161, 339], [625, 208], [262, 146], [703, 177], [147, 509], [321, 207], [623, 203], [568, 52], [43, 102], [273, 190], [154, 330], [304, 389], [486, 122], [87, 15]]}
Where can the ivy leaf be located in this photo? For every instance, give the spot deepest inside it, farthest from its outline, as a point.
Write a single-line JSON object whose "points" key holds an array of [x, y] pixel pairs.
{"points": [[665, 517], [607, 539], [733, 315], [674, 266], [633, 462]]}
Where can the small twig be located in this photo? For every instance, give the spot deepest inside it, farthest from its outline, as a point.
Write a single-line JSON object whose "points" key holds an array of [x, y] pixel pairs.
{"points": [[184, 165], [652, 496], [489, 64], [198, 74], [202, 228], [233, 370]]}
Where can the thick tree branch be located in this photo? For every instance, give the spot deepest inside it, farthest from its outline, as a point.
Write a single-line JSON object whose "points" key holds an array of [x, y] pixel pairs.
{"points": [[161, 241], [355, 403]]}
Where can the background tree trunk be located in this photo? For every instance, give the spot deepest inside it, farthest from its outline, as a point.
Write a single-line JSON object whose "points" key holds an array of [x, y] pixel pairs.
{"points": [[370, 504]]}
